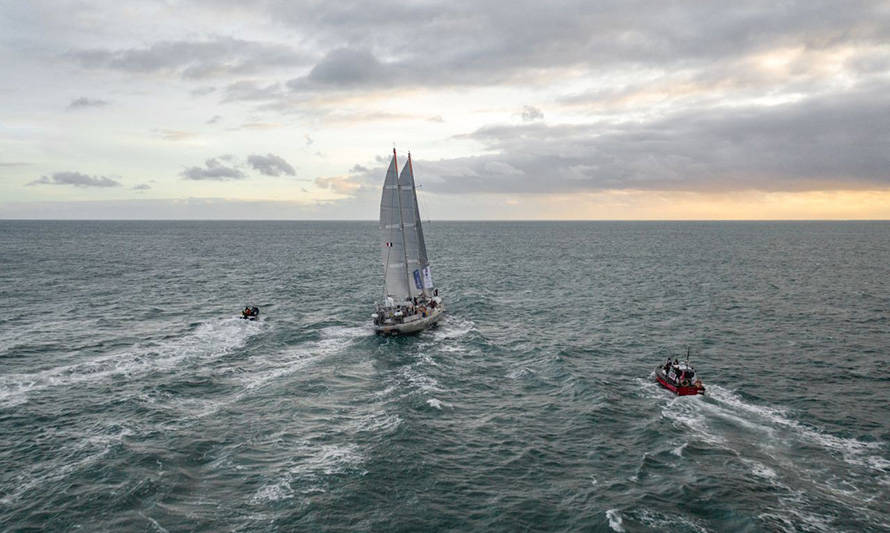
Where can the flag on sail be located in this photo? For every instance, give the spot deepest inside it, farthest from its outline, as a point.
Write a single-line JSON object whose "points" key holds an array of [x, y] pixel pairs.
{"points": [[427, 278]]}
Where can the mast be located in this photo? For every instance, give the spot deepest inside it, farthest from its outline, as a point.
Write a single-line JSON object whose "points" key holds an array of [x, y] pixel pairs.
{"points": [[402, 225]]}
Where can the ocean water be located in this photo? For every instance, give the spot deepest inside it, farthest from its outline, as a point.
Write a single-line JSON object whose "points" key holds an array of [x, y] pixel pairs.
{"points": [[133, 399]]}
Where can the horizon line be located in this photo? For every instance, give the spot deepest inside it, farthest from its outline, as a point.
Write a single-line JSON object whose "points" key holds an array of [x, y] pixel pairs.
{"points": [[430, 221]]}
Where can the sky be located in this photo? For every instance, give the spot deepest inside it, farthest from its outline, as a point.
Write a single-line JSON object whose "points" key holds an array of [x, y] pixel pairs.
{"points": [[274, 109]]}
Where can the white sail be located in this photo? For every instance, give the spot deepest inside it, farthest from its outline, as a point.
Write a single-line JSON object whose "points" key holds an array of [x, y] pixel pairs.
{"points": [[411, 303], [415, 247], [427, 276], [395, 275]]}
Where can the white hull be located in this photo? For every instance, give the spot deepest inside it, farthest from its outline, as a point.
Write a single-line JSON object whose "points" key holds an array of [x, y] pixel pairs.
{"points": [[411, 324]]}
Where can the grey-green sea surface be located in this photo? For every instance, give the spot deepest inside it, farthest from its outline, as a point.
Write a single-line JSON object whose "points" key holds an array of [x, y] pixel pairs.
{"points": [[133, 399]]}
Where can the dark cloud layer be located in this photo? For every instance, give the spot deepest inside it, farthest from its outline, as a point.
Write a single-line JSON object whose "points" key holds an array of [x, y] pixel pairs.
{"points": [[214, 170], [349, 46], [194, 59], [270, 165], [472, 43], [75, 179], [347, 68], [829, 143]]}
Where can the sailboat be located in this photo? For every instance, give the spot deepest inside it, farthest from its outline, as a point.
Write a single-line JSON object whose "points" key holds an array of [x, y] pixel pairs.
{"points": [[411, 301]]}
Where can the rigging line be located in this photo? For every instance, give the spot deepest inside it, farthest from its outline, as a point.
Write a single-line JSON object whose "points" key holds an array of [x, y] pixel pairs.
{"points": [[423, 207], [419, 197]]}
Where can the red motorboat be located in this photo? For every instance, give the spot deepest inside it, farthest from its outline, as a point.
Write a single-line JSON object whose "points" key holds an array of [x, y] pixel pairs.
{"points": [[679, 377]]}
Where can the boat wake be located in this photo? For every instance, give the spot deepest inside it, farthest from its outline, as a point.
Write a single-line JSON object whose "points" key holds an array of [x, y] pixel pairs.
{"points": [[453, 327], [777, 425], [210, 340], [251, 379], [309, 468], [781, 451]]}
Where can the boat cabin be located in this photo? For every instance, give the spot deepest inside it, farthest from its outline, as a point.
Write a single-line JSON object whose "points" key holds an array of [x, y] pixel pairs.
{"points": [[679, 372]]}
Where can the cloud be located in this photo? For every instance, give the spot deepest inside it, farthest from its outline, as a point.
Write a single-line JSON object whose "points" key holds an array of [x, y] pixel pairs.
{"points": [[75, 179], [249, 90], [213, 171], [345, 68], [84, 102], [530, 114], [673, 96], [203, 91], [219, 56], [142, 187], [340, 184], [443, 43], [214, 119], [270, 165], [830, 143]]}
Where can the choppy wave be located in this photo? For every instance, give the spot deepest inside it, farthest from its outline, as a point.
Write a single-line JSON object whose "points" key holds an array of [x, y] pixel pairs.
{"points": [[210, 340], [528, 407], [615, 520]]}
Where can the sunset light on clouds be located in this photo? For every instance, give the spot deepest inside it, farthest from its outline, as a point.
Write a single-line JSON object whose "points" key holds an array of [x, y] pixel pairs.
{"points": [[572, 110]]}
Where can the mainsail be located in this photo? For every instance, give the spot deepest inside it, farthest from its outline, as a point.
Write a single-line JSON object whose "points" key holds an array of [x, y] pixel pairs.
{"points": [[415, 247], [395, 273], [405, 264]]}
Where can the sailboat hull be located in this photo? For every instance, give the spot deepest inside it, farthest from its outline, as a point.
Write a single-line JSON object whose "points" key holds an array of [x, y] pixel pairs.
{"points": [[412, 326]]}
